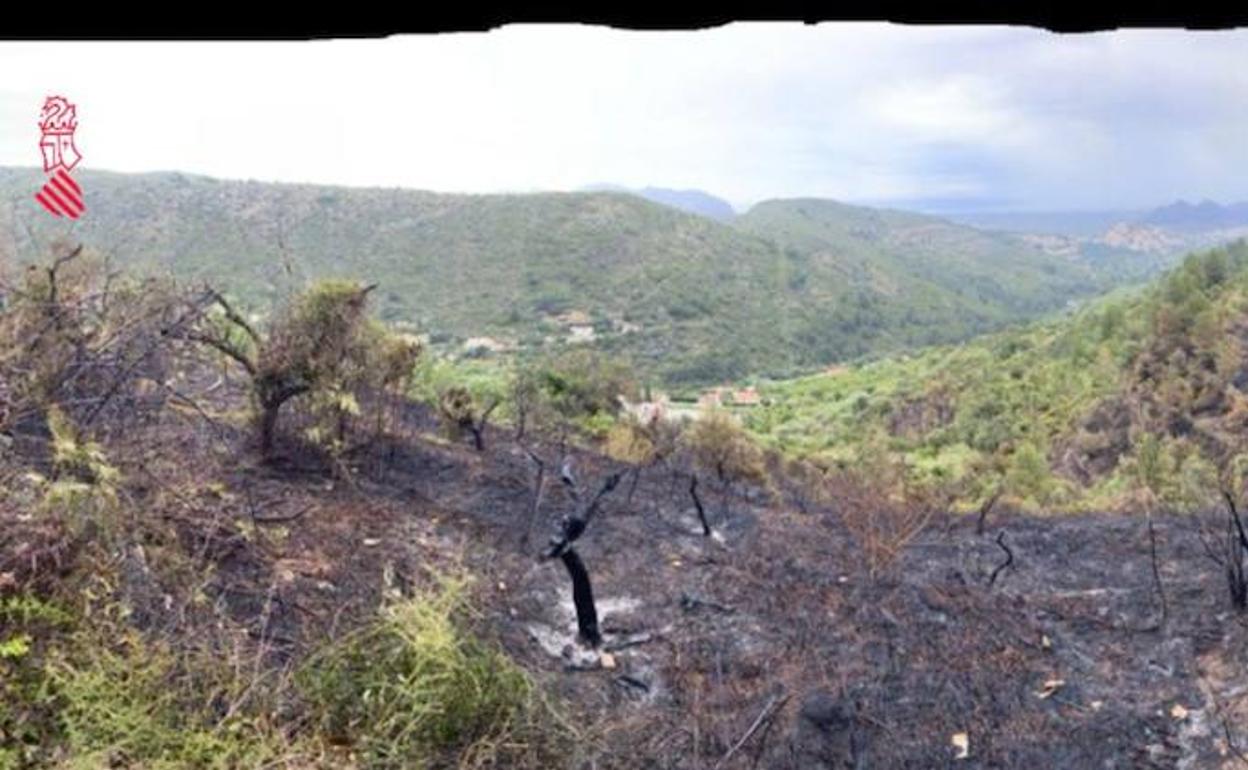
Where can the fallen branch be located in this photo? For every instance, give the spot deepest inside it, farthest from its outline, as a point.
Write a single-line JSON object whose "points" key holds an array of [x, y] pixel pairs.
{"points": [[764, 717], [635, 640], [690, 603], [632, 681], [280, 519]]}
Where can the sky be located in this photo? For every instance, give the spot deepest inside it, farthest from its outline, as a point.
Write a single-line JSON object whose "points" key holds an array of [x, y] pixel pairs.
{"points": [[936, 118]]}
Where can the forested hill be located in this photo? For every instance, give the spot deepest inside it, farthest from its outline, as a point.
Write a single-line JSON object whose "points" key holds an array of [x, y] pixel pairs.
{"points": [[790, 285], [1147, 387]]}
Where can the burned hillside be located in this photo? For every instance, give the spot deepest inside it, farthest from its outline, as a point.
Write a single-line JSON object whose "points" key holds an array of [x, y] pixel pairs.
{"points": [[158, 539]]}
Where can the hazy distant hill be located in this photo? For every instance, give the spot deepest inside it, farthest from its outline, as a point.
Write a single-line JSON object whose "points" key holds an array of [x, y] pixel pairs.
{"points": [[1184, 225], [792, 284], [1206, 215], [1132, 244], [1068, 223], [692, 201]]}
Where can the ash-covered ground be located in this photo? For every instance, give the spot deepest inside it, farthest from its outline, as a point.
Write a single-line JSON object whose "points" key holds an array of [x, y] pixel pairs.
{"points": [[1041, 642]]}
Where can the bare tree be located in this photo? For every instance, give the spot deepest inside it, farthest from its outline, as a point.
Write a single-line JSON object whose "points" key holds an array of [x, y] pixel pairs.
{"points": [[561, 547]]}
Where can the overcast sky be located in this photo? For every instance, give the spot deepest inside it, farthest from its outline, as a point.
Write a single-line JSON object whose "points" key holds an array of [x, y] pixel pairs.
{"points": [[990, 118]]}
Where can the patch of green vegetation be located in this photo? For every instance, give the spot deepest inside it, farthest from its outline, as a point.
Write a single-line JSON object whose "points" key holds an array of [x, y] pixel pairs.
{"points": [[125, 699], [1051, 413], [413, 685]]}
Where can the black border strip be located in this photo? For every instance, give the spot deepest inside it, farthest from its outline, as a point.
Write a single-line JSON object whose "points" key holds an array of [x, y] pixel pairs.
{"points": [[220, 21]]}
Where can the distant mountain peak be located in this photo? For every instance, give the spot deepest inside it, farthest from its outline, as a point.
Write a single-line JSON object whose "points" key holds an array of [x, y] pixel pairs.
{"points": [[1205, 215]]}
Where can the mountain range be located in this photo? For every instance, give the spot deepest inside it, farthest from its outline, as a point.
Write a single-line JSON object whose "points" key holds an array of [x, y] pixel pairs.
{"points": [[790, 285]]}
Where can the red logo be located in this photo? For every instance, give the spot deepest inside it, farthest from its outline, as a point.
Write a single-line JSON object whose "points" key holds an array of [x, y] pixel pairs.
{"points": [[61, 195]]}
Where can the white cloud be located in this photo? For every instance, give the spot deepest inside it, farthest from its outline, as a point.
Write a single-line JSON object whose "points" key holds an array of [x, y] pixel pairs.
{"points": [[857, 111]]}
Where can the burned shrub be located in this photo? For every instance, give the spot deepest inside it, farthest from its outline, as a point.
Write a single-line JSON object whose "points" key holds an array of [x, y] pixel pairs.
{"points": [[75, 334], [883, 511], [803, 482], [462, 414], [628, 442], [718, 445], [321, 343], [634, 444]]}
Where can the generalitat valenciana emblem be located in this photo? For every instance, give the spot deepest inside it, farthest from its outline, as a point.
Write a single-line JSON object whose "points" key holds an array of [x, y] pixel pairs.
{"points": [[60, 195]]}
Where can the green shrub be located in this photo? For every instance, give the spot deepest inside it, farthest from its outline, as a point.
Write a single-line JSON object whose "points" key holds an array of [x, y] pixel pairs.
{"points": [[130, 702], [413, 686], [27, 719]]}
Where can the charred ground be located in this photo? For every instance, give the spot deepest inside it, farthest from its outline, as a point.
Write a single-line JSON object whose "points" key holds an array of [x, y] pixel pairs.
{"points": [[764, 645], [773, 642]]}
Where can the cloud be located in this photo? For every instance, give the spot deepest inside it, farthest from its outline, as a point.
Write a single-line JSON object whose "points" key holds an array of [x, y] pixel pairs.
{"points": [[748, 111]]}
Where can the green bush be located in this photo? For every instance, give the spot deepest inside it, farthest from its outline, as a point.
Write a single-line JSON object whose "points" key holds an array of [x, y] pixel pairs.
{"points": [[81, 689], [27, 718], [130, 702], [413, 686]]}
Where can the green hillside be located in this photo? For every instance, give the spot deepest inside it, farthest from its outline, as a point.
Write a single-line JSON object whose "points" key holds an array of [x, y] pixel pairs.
{"points": [[690, 299], [1055, 413], [934, 263]]}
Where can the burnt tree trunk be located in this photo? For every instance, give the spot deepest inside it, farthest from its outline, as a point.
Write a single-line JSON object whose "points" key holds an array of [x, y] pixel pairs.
{"points": [[633, 487], [477, 426], [697, 502], [984, 511], [268, 426], [582, 591], [582, 598], [1236, 548], [271, 400]]}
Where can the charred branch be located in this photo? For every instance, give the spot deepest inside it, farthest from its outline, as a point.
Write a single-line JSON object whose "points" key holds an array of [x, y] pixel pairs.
{"points": [[1236, 520], [1236, 546], [632, 488], [539, 489], [1009, 559], [477, 426], [984, 510], [1152, 550], [697, 503], [764, 717]]}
